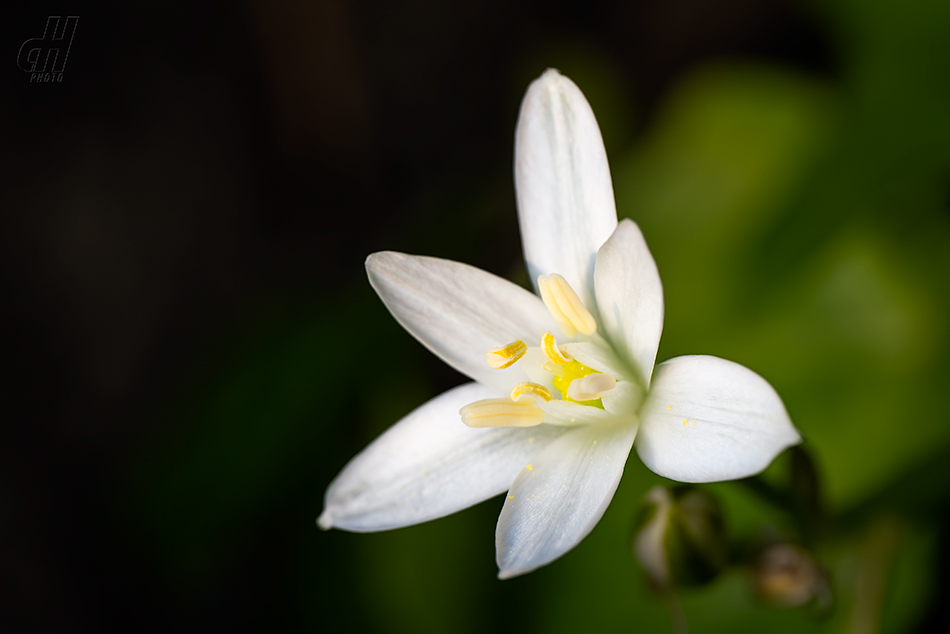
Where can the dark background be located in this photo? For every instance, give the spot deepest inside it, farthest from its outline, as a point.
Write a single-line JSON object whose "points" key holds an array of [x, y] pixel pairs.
{"points": [[193, 350]]}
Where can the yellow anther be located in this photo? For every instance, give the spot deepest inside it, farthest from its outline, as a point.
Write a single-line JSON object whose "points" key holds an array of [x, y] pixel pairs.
{"points": [[552, 352], [505, 356], [531, 389], [502, 412], [590, 387], [565, 306]]}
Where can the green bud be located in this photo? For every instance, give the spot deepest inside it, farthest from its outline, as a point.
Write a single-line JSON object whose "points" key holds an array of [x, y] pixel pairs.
{"points": [[680, 537]]}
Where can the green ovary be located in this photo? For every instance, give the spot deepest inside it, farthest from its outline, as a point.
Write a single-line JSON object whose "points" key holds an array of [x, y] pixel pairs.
{"points": [[574, 370]]}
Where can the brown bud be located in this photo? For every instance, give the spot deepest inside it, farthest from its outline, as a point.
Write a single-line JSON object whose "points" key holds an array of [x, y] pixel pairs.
{"points": [[787, 576]]}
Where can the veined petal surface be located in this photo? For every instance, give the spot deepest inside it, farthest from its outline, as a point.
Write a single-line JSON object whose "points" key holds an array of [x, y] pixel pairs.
{"points": [[569, 414], [630, 297], [429, 465], [707, 419], [459, 312], [624, 400], [562, 181], [559, 497]]}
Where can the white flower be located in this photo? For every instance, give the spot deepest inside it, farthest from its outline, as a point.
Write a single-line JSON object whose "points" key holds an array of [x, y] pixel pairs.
{"points": [[551, 422]]}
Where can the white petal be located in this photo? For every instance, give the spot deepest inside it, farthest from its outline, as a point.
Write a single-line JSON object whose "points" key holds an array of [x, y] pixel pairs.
{"points": [[630, 297], [600, 357], [707, 419], [559, 498], [429, 465], [532, 364], [568, 414], [565, 197], [624, 400], [458, 311]]}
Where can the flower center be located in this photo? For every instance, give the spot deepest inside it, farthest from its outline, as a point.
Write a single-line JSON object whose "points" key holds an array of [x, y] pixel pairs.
{"points": [[579, 384], [576, 382]]}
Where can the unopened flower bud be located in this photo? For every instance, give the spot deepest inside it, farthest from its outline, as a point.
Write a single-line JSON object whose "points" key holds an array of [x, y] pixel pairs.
{"points": [[680, 537]]}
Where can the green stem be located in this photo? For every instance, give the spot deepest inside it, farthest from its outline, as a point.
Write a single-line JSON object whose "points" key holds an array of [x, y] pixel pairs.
{"points": [[876, 560], [800, 498]]}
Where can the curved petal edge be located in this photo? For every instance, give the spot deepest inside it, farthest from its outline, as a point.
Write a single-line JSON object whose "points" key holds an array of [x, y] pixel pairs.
{"points": [[562, 181], [428, 465], [458, 311], [707, 419], [560, 496], [630, 297]]}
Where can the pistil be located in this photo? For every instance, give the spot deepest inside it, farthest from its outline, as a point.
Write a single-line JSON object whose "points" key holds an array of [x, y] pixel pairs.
{"points": [[590, 387]]}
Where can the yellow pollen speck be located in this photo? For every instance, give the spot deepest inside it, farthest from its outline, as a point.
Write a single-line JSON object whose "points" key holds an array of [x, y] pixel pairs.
{"points": [[669, 407], [684, 422], [694, 423], [530, 467], [511, 497]]}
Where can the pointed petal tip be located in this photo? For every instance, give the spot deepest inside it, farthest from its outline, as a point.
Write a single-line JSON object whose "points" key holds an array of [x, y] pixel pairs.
{"points": [[565, 197], [325, 521], [796, 437], [508, 574], [628, 225], [374, 260], [507, 571], [371, 264], [552, 82], [550, 75]]}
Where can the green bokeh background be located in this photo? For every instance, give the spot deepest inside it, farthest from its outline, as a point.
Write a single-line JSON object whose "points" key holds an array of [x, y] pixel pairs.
{"points": [[801, 226]]}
